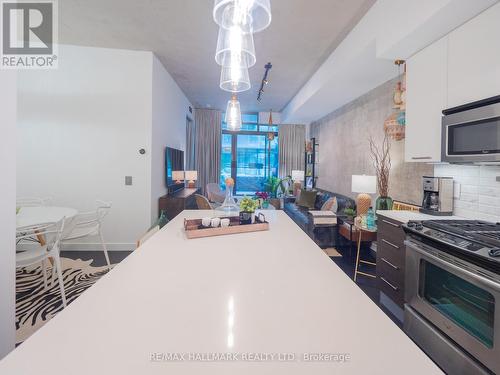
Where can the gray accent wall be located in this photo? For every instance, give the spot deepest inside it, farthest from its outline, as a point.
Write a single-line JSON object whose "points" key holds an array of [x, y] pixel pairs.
{"points": [[344, 149]]}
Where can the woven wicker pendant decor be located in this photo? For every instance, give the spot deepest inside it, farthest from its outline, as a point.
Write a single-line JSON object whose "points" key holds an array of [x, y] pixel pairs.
{"points": [[394, 125]]}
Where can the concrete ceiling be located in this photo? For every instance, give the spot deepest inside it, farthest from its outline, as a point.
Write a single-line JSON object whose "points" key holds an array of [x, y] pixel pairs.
{"points": [[303, 33]]}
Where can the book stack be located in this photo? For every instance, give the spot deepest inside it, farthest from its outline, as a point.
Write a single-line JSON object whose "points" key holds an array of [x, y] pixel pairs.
{"points": [[323, 217]]}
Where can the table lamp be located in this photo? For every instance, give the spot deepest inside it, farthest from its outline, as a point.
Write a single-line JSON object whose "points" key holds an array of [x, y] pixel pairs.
{"points": [[178, 176], [364, 185], [297, 177], [191, 177]]}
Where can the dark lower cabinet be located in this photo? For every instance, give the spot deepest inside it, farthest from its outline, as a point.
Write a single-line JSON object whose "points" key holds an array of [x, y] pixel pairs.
{"points": [[174, 204], [391, 255]]}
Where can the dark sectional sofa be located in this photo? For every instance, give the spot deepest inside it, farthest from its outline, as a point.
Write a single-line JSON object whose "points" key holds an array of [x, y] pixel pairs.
{"points": [[323, 236]]}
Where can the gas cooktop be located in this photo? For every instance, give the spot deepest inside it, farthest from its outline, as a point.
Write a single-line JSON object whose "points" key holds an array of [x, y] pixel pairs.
{"points": [[471, 237]]}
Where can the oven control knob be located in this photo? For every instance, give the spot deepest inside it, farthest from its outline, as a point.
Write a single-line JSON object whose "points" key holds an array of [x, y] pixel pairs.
{"points": [[495, 252], [419, 226]]}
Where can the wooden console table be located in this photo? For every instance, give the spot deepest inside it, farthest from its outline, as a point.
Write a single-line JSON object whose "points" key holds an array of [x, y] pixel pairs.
{"points": [[173, 204]]}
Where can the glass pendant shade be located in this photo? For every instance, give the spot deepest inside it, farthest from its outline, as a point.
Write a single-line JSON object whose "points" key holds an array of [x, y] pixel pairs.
{"points": [[234, 79], [251, 15], [233, 114], [235, 49]]}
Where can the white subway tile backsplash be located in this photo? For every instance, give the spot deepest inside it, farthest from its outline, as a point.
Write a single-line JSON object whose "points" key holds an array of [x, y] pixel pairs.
{"points": [[489, 200], [480, 191], [471, 198], [491, 171], [469, 171], [469, 189], [490, 191], [465, 205]]}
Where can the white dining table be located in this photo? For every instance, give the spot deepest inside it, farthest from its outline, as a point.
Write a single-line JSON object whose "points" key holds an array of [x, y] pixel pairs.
{"points": [[255, 303], [31, 216]]}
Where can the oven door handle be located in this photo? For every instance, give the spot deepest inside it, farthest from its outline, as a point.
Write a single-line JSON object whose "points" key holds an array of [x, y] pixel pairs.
{"points": [[482, 279]]}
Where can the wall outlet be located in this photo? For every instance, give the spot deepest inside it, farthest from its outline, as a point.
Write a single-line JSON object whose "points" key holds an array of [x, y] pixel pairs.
{"points": [[128, 180], [456, 190]]}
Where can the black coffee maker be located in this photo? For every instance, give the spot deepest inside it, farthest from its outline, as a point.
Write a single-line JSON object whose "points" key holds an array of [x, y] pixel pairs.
{"points": [[438, 196]]}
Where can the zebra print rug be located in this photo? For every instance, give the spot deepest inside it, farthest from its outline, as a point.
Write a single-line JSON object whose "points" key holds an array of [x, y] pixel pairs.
{"points": [[36, 306]]}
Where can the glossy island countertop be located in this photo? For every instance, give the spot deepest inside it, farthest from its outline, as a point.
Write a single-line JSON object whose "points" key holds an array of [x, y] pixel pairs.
{"points": [[406, 216], [256, 303]]}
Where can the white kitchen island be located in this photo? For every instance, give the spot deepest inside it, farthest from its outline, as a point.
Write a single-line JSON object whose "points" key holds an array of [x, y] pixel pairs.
{"points": [[254, 303]]}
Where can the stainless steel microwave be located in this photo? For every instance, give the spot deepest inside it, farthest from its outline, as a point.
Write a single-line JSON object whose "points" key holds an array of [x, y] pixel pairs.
{"points": [[471, 133]]}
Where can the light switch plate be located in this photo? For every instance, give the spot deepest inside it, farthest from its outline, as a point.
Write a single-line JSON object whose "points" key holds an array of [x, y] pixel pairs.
{"points": [[128, 180], [456, 190]]}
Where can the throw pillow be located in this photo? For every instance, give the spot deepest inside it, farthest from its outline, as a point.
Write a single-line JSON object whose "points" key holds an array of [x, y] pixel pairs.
{"points": [[307, 199], [330, 205]]}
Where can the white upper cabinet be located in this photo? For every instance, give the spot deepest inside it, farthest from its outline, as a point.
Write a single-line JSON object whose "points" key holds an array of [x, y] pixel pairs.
{"points": [[426, 97], [474, 59]]}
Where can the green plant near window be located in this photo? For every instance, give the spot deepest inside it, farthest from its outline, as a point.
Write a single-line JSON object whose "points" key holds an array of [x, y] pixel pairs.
{"points": [[273, 184], [249, 204]]}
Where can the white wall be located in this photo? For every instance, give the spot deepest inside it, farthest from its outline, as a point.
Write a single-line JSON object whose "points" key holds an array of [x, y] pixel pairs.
{"points": [[80, 130], [7, 210], [169, 110]]}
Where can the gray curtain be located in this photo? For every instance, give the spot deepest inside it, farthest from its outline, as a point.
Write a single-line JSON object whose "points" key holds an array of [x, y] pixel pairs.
{"points": [[190, 145], [291, 140], [208, 135]]}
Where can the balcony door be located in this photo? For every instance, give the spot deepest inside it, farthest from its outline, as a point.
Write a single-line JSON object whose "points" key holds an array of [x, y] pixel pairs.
{"points": [[249, 155]]}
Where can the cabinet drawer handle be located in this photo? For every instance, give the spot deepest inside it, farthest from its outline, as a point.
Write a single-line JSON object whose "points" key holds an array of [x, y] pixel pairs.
{"points": [[390, 264], [390, 244], [421, 157], [388, 222], [388, 283]]}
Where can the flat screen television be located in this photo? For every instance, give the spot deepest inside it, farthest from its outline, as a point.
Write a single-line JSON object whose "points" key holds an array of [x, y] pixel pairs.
{"points": [[174, 161]]}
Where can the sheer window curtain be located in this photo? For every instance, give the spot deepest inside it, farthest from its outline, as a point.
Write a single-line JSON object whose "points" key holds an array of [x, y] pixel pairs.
{"points": [[207, 150], [291, 143]]}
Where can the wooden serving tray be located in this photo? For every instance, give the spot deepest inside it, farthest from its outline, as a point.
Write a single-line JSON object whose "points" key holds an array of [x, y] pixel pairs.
{"points": [[194, 228]]}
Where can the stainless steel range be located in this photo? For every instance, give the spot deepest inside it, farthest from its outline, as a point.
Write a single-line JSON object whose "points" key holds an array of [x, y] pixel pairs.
{"points": [[452, 287]]}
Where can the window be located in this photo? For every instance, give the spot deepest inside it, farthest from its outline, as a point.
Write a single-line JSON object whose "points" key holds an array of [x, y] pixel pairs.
{"points": [[249, 155]]}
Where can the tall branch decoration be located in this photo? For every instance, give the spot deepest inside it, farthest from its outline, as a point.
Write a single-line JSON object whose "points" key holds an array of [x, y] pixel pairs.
{"points": [[381, 158]]}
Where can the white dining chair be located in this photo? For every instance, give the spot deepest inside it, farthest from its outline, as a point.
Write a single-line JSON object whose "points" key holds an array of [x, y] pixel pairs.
{"points": [[89, 224], [33, 202], [36, 252]]}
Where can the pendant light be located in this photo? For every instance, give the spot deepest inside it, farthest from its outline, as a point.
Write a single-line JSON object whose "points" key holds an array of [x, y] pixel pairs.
{"points": [[235, 48], [233, 113], [251, 15], [234, 79]]}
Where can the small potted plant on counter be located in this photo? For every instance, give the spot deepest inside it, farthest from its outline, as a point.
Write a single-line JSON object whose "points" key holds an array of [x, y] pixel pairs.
{"points": [[247, 209], [263, 197]]}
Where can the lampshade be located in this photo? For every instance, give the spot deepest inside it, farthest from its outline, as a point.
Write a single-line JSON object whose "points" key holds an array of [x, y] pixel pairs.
{"points": [[235, 49], [178, 175], [298, 175], [191, 175], [364, 184], [233, 114], [252, 15], [234, 79]]}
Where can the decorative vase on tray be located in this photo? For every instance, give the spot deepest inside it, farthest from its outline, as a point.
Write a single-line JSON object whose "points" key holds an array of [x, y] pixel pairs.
{"points": [[229, 207]]}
